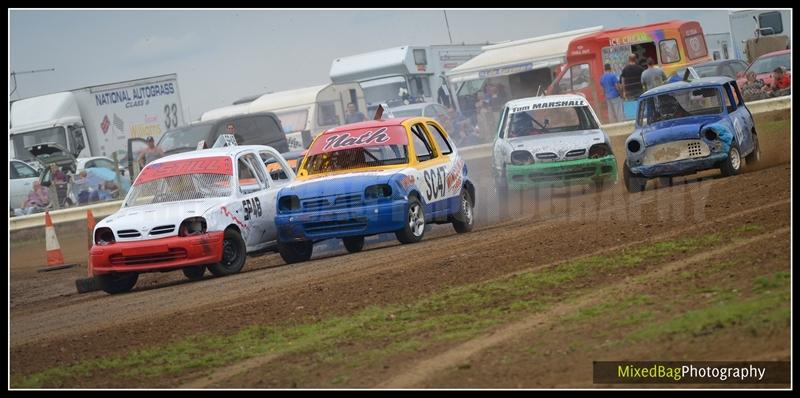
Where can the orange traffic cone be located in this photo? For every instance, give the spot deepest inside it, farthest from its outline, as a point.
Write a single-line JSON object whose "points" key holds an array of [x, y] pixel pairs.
{"points": [[55, 259]]}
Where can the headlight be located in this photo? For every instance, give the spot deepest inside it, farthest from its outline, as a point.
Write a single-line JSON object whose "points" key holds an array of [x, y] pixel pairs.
{"points": [[192, 226], [378, 191], [634, 146], [521, 158], [103, 236], [710, 134], [599, 151], [289, 203]]}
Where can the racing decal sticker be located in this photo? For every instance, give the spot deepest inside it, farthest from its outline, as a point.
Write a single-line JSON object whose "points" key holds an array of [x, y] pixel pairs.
{"points": [[392, 135], [234, 218], [207, 165], [454, 177], [408, 181], [435, 183], [547, 105], [251, 207]]}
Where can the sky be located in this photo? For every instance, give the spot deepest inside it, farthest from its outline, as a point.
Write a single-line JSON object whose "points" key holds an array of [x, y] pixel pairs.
{"points": [[221, 56]]}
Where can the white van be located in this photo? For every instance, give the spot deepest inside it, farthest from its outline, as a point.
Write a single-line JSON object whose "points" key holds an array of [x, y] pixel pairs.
{"points": [[304, 112]]}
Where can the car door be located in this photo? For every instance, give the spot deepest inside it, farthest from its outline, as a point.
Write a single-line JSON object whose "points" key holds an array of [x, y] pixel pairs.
{"points": [[279, 174], [253, 185], [433, 168], [22, 178], [454, 179], [740, 116]]}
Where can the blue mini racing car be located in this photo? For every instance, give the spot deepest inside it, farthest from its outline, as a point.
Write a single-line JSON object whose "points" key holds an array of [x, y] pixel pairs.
{"points": [[374, 177], [685, 127]]}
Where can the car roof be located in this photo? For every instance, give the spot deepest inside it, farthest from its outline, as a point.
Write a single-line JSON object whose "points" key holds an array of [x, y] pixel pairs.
{"points": [[774, 53], [545, 98], [222, 151], [717, 62], [702, 82], [368, 124]]}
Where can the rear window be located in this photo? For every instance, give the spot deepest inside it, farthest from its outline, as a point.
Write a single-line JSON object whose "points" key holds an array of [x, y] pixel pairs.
{"points": [[256, 130]]}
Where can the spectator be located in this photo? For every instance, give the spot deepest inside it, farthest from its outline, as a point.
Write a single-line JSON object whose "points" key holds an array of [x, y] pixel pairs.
{"points": [[495, 96], [631, 78], [611, 87], [481, 104], [82, 190], [653, 76], [753, 89], [151, 153], [353, 115], [60, 182], [443, 94], [38, 199], [780, 79]]}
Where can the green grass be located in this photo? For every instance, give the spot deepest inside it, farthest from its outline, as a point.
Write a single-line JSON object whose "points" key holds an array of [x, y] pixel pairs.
{"points": [[768, 306], [456, 314]]}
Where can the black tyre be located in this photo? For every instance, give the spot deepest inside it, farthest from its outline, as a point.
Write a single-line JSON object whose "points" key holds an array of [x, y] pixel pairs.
{"points": [[234, 253], [600, 184], [414, 227], [664, 181], [754, 157], [353, 244], [633, 182], [115, 283], [733, 164], [295, 252], [194, 273], [501, 187], [464, 220]]}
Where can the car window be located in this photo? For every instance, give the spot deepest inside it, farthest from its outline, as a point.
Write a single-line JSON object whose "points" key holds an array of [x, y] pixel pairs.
{"points": [[22, 170], [669, 51], [422, 147], [276, 171], [442, 142], [738, 66], [581, 77], [739, 99], [729, 101], [327, 114], [251, 175], [104, 163]]}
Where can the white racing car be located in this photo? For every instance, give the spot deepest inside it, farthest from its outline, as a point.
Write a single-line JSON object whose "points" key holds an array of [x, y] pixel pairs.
{"points": [[551, 141], [192, 211]]}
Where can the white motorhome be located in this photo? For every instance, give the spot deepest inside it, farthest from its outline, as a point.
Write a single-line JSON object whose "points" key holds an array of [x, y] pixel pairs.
{"points": [[96, 120], [402, 74], [719, 46], [750, 24], [519, 69], [306, 111]]}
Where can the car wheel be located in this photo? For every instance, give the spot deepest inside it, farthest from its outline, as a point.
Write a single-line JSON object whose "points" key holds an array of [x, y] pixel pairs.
{"points": [[633, 182], [115, 283], [733, 164], [599, 184], [234, 253], [353, 244], [755, 156], [464, 220], [664, 181], [414, 227], [295, 252], [194, 273]]}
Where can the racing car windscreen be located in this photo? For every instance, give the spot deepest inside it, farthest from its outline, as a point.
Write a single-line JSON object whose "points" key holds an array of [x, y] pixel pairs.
{"points": [[359, 148], [551, 120], [179, 188], [678, 104]]}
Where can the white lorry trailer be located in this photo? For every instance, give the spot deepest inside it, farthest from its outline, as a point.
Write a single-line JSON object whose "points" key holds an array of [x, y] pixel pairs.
{"points": [[96, 120], [748, 25], [408, 73]]}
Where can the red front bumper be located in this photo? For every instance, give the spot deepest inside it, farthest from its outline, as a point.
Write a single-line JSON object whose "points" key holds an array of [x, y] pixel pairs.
{"points": [[157, 254]]}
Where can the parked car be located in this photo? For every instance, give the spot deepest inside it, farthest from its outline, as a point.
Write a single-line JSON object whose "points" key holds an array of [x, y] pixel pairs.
{"points": [[99, 161], [551, 141], [368, 178], [423, 109], [685, 127], [764, 65], [191, 211], [21, 178], [727, 67]]}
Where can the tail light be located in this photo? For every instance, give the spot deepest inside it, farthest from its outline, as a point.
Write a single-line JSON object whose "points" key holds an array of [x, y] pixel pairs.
{"points": [[192, 226], [103, 236]]}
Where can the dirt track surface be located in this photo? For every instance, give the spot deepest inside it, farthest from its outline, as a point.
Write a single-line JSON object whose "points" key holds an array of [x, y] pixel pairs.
{"points": [[51, 325]]}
